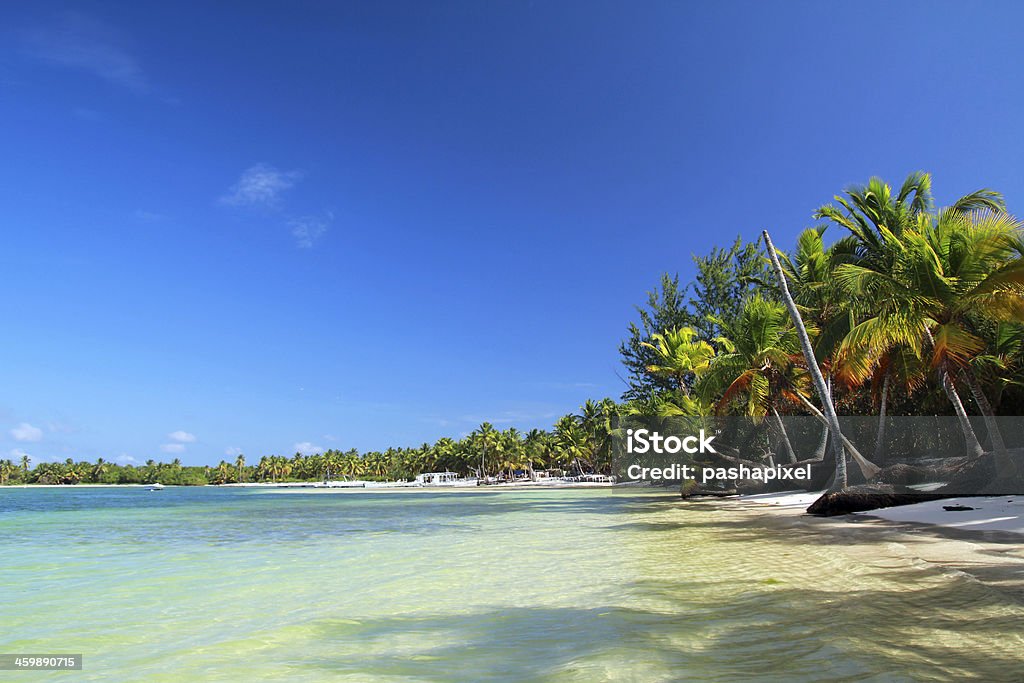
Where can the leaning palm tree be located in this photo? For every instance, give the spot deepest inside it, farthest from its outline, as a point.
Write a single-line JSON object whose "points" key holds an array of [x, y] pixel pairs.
{"points": [[824, 393]]}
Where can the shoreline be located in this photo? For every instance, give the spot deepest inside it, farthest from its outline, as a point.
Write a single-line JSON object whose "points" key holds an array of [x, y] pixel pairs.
{"points": [[991, 556], [341, 488]]}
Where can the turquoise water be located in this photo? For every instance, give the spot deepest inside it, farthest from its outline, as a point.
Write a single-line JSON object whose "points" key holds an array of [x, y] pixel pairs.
{"points": [[220, 584]]}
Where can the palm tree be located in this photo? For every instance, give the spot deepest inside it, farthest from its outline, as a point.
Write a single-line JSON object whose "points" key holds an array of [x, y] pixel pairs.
{"points": [[7, 468], [758, 367], [957, 268], [879, 222], [571, 440], [485, 440], [680, 359], [240, 467], [99, 469], [537, 450], [824, 393]]}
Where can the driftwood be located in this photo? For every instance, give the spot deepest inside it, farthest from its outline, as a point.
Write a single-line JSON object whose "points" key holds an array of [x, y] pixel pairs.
{"points": [[868, 497]]}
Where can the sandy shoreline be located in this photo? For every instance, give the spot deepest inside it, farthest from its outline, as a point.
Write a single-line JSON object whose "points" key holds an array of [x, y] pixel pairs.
{"points": [[984, 544]]}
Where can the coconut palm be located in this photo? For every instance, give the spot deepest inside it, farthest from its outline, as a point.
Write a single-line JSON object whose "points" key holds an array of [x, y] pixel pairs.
{"points": [[879, 221], [757, 371], [572, 443], [485, 443], [957, 268], [681, 358], [7, 468]]}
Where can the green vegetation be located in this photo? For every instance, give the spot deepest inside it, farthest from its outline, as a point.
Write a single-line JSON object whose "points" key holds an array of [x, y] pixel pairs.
{"points": [[912, 310]]}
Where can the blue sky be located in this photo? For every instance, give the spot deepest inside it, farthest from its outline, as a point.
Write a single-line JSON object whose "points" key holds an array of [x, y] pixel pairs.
{"points": [[277, 226]]}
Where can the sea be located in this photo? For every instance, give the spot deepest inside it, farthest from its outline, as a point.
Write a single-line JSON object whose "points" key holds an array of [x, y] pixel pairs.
{"points": [[236, 584]]}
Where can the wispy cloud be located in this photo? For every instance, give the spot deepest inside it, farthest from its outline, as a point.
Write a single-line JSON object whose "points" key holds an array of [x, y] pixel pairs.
{"points": [[233, 451], [182, 437], [172, 447], [307, 448], [308, 229], [79, 42], [125, 459], [26, 432], [260, 185]]}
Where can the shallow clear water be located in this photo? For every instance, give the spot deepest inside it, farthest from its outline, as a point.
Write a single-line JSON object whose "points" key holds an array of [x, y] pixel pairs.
{"points": [[221, 584]]}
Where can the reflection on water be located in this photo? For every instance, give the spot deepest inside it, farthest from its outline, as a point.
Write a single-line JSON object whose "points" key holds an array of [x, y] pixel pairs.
{"points": [[214, 584]]}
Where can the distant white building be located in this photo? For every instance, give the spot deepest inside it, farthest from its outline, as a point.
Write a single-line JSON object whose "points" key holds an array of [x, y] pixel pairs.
{"points": [[435, 478]]}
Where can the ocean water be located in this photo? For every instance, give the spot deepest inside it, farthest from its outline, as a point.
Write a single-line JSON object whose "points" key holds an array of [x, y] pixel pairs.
{"points": [[206, 584]]}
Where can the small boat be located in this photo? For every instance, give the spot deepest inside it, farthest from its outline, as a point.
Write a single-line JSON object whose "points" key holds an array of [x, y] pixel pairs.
{"points": [[155, 487]]}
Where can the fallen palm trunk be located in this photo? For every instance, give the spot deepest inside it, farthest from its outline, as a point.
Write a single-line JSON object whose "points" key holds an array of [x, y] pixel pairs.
{"points": [[868, 497]]}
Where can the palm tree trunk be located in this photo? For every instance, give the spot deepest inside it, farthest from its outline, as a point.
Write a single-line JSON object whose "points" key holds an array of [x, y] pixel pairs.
{"points": [[785, 437], [819, 452], [867, 468], [986, 409], [973, 444], [812, 365], [1005, 466], [879, 456]]}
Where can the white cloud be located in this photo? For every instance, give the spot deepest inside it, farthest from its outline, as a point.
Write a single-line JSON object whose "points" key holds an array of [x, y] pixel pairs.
{"points": [[260, 185], [82, 43], [125, 459], [308, 229], [173, 448], [182, 437], [17, 454], [26, 432], [233, 451], [307, 448]]}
